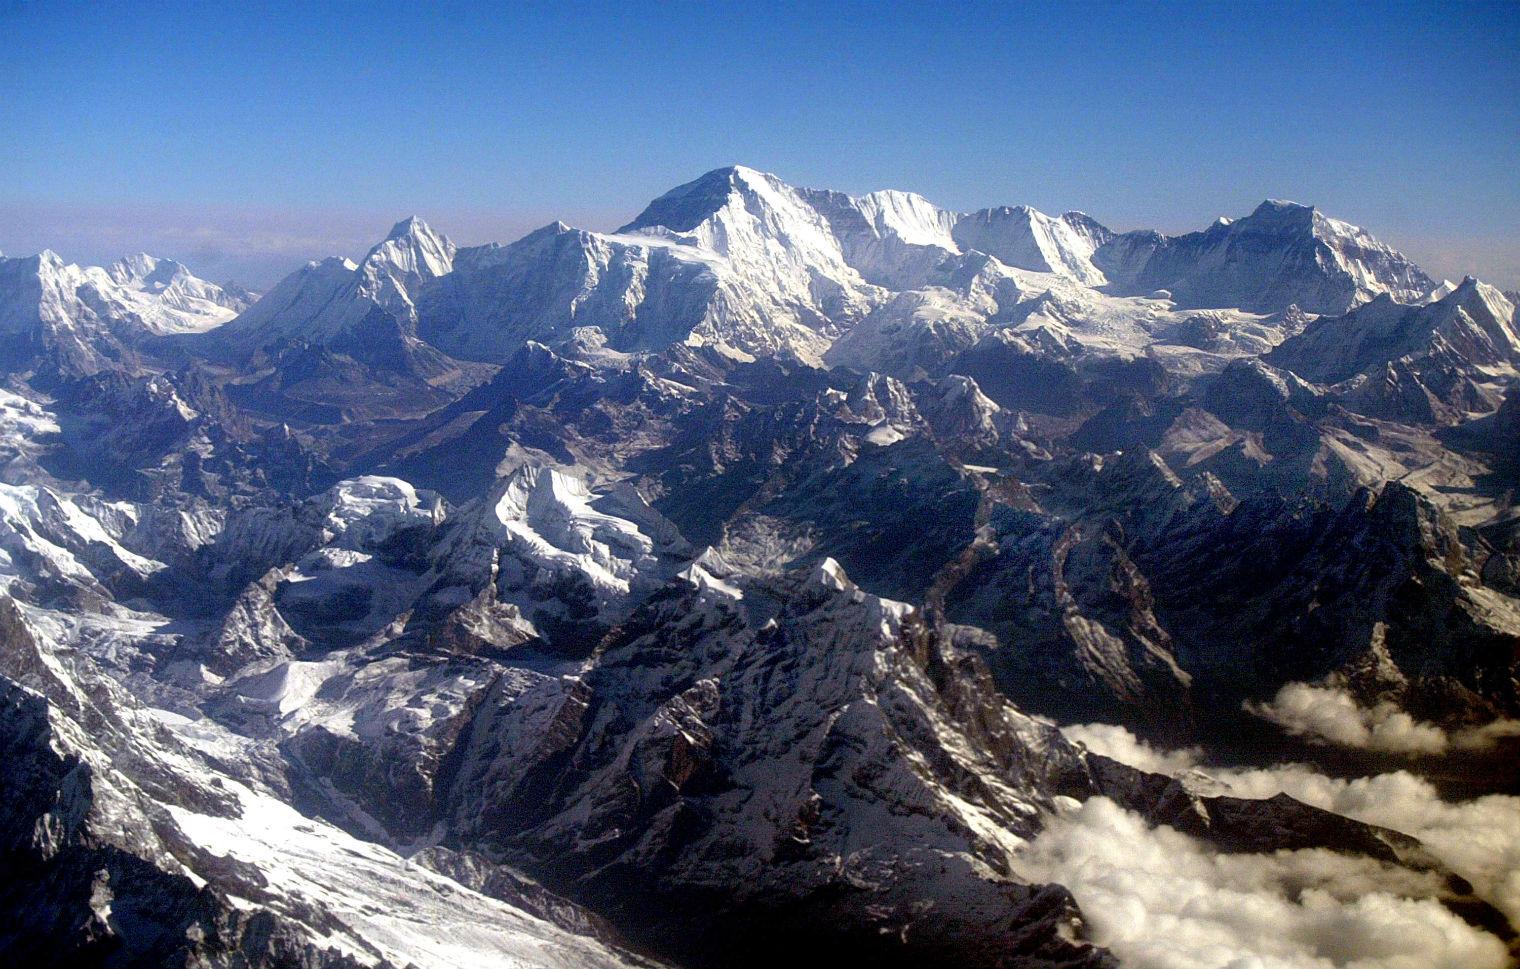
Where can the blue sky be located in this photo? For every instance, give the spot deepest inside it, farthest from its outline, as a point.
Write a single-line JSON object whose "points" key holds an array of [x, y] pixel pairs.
{"points": [[246, 138]]}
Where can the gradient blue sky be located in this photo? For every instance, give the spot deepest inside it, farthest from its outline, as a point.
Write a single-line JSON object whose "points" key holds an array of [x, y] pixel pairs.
{"points": [[247, 138]]}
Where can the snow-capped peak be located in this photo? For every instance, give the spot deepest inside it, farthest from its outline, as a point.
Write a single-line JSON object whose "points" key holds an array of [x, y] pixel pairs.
{"points": [[1025, 238], [1483, 302], [1475, 323], [773, 240], [741, 261], [326, 299], [139, 295], [1282, 206], [409, 226], [140, 266], [1282, 253], [746, 216], [413, 247], [687, 206], [411, 255]]}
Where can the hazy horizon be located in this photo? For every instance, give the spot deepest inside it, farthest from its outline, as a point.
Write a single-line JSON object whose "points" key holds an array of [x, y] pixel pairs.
{"points": [[246, 141], [257, 249]]}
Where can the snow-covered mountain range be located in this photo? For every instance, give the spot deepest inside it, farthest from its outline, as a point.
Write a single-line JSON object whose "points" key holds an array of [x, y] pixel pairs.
{"points": [[786, 576], [83, 317]]}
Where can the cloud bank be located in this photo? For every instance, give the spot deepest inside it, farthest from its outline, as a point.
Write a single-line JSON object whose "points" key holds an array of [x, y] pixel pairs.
{"points": [[1329, 715], [1161, 900], [1478, 839], [1119, 744]]}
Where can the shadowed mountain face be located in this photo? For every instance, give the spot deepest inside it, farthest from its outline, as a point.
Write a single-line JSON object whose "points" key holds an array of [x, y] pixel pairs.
{"points": [[784, 577]]}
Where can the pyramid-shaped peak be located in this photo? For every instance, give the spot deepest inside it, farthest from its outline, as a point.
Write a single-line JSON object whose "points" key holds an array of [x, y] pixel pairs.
{"points": [[410, 227], [687, 206], [1279, 212], [1474, 295], [412, 248]]}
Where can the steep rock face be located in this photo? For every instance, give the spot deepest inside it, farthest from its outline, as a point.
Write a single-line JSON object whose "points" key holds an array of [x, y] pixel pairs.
{"points": [[1383, 585], [1161, 593], [138, 436], [1281, 254], [1497, 434], [1077, 614], [894, 239], [1073, 614], [1383, 575], [728, 750]]}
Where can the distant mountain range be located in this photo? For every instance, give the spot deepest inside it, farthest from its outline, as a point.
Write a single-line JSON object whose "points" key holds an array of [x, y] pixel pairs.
{"points": [[729, 589]]}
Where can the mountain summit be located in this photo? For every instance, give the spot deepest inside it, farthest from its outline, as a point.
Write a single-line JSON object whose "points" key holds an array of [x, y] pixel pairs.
{"points": [[1281, 253], [739, 260], [786, 578], [79, 318], [325, 300]]}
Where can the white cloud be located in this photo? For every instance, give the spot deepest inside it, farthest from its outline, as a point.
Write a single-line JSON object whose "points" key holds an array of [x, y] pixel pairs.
{"points": [[1119, 744], [1161, 900], [1478, 839], [1330, 715]]}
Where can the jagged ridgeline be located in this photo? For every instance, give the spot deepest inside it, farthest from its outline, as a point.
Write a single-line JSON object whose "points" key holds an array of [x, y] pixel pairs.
{"points": [[743, 587]]}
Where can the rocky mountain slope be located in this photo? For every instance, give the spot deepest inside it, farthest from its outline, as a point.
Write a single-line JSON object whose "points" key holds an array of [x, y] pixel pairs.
{"points": [[732, 589]]}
